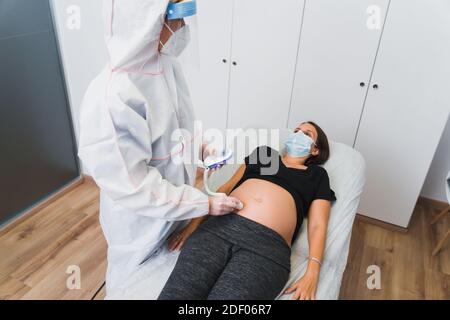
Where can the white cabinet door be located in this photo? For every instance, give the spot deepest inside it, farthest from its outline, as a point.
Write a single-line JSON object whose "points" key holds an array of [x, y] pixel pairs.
{"points": [[208, 80], [404, 118], [265, 43], [337, 53]]}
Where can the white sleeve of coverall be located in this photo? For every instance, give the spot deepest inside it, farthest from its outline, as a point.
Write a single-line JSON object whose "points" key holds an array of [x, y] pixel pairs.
{"points": [[115, 145]]}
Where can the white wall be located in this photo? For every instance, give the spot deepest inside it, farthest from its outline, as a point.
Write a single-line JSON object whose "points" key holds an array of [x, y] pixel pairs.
{"points": [[84, 55], [83, 50]]}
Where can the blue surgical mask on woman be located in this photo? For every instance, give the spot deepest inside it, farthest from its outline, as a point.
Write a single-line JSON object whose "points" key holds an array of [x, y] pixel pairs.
{"points": [[298, 144]]}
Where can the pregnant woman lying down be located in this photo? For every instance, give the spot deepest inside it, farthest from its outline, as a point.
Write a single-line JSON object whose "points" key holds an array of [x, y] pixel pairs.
{"points": [[245, 255]]}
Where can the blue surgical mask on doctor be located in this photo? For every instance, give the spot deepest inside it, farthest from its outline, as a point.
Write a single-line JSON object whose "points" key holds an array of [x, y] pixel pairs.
{"points": [[298, 144]]}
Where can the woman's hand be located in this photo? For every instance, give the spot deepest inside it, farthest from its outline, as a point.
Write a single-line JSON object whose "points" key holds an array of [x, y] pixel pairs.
{"points": [[178, 238], [305, 288]]}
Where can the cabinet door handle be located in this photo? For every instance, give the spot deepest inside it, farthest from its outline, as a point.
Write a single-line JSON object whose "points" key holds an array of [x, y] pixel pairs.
{"points": [[224, 61], [234, 63], [362, 84], [375, 86]]}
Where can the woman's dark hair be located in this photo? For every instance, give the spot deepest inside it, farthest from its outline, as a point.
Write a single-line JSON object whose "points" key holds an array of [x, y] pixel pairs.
{"points": [[322, 145]]}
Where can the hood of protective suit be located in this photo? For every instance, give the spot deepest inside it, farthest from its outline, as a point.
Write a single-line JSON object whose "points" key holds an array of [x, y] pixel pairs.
{"points": [[132, 32]]}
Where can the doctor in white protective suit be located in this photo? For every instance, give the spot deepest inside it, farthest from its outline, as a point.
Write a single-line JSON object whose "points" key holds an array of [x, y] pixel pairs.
{"points": [[128, 119]]}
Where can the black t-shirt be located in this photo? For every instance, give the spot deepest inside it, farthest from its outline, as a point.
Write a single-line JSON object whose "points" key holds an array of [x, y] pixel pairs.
{"points": [[305, 185]]}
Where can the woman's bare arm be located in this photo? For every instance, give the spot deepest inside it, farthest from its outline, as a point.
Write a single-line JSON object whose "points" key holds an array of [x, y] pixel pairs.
{"points": [[317, 231], [230, 184], [319, 212]]}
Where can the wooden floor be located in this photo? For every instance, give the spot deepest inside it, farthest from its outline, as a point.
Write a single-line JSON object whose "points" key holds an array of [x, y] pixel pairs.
{"points": [[408, 270], [35, 254]]}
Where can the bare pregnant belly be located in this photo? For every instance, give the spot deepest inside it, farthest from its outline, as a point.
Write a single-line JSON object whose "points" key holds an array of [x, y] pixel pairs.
{"points": [[269, 205]]}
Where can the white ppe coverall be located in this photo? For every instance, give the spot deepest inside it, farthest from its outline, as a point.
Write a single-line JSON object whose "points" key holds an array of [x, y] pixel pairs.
{"points": [[126, 123]]}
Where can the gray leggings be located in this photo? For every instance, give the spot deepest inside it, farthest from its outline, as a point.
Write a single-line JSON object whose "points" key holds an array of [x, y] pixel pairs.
{"points": [[230, 258]]}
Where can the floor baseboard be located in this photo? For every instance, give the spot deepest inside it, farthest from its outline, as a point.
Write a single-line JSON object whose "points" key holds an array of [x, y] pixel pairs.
{"points": [[433, 202], [382, 224], [40, 205]]}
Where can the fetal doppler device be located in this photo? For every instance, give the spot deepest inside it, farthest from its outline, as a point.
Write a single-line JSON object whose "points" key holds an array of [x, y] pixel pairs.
{"points": [[215, 162], [182, 9]]}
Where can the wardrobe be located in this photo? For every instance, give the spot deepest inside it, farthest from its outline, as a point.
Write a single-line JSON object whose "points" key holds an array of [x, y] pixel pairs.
{"points": [[374, 74], [246, 49]]}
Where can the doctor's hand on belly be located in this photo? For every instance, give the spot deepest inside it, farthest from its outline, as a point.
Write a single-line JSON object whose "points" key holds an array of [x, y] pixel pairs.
{"points": [[223, 204], [219, 205]]}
